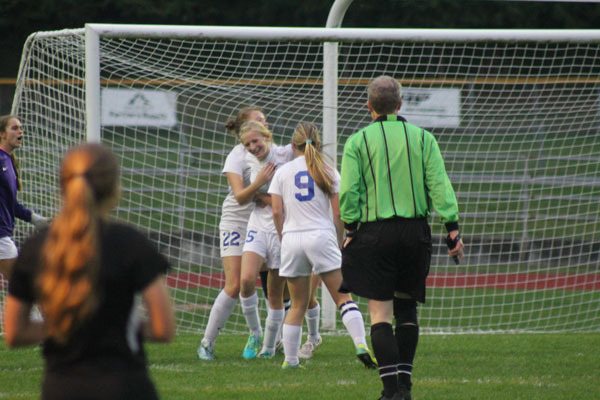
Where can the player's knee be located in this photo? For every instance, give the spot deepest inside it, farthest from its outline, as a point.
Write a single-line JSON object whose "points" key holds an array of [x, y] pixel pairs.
{"points": [[232, 289], [405, 312], [247, 287]]}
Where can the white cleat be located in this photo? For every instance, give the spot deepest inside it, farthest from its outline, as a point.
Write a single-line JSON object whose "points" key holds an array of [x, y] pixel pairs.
{"points": [[206, 351], [308, 348]]}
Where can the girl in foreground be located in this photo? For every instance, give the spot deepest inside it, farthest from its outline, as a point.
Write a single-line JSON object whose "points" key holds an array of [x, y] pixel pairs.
{"points": [[304, 193], [86, 272]]}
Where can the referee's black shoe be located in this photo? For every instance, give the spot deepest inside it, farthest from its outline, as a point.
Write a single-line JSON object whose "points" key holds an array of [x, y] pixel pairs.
{"points": [[402, 394]]}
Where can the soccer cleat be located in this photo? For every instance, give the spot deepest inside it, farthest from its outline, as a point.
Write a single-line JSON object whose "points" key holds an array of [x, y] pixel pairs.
{"points": [[252, 347], [308, 348], [287, 365], [397, 396], [365, 356], [404, 393], [206, 351], [266, 354]]}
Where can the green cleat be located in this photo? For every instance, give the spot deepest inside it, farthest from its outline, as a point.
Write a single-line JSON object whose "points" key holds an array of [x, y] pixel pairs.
{"points": [[287, 365], [366, 357], [252, 348]]}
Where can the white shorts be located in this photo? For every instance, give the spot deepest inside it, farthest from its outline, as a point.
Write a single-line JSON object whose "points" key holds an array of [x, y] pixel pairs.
{"points": [[266, 245], [232, 239], [310, 251], [8, 249]]}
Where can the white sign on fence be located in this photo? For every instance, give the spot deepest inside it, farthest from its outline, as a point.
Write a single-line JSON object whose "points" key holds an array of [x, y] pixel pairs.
{"points": [[431, 108], [131, 107]]}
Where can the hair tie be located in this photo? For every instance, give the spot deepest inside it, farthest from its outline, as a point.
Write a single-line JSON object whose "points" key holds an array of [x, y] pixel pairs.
{"points": [[308, 141]]}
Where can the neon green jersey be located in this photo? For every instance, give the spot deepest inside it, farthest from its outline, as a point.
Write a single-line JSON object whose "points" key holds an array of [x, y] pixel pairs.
{"points": [[393, 168]]}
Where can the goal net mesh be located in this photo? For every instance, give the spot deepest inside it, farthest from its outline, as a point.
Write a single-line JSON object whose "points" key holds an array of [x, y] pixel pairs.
{"points": [[517, 122]]}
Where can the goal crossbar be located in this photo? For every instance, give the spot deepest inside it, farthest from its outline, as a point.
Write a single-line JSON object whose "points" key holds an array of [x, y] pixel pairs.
{"points": [[341, 34]]}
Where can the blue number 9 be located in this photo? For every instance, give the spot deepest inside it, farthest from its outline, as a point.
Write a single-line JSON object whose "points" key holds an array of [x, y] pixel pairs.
{"points": [[306, 184]]}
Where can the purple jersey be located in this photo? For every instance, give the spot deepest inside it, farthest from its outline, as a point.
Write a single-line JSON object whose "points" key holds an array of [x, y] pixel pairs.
{"points": [[9, 206]]}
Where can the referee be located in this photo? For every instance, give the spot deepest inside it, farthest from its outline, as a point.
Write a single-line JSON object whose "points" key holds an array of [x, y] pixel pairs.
{"points": [[392, 171]]}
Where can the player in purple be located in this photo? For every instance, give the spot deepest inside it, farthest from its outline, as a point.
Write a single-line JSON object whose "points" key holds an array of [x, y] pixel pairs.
{"points": [[11, 136]]}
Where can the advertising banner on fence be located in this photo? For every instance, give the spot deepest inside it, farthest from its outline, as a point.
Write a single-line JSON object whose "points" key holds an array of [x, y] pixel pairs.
{"points": [[131, 107], [431, 108]]}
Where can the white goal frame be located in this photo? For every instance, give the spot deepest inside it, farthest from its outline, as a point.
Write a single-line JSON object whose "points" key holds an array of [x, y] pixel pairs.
{"points": [[329, 37]]}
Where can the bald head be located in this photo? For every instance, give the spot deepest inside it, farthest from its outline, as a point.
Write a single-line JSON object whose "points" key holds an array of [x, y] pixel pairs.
{"points": [[384, 95]]}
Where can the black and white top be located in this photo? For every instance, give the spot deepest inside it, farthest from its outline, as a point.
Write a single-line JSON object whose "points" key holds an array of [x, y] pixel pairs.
{"points": [[107, 340]]}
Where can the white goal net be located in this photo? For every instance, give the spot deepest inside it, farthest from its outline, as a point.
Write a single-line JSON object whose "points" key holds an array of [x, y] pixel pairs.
{"points": [[516, 114]]}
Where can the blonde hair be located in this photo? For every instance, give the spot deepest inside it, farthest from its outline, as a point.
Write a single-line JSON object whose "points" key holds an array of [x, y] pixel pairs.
{"points": [[89, 179], [254, 126], [234, 124], [4, 120], [306, 139]]}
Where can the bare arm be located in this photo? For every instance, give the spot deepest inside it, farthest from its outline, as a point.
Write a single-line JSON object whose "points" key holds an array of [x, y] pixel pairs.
{"points": [[19, 329], [277, 206], [160, 326], [246, 194], [339, 224], [262, 199]]}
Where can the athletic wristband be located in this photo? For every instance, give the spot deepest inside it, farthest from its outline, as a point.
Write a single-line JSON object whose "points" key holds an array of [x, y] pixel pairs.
{"points": [[451, 226], [351, 226], [351, 233]]}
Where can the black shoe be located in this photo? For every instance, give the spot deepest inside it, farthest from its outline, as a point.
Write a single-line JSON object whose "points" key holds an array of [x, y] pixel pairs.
{"points": [[403, 394]]}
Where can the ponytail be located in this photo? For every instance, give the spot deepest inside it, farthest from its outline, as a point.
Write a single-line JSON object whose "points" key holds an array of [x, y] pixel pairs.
{"points": [[306, 138], [15, 163], [67, 283]]}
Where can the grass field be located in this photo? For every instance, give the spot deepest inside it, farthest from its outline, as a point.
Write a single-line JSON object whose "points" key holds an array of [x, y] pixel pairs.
{"points": [[481, 367]]}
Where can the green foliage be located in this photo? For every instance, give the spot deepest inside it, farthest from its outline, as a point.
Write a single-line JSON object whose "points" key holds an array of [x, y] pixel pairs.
{"points": [[491, 367]]}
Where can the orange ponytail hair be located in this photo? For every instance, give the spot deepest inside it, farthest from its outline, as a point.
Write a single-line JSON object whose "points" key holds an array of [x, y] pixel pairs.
{"points": [[67, 284]]}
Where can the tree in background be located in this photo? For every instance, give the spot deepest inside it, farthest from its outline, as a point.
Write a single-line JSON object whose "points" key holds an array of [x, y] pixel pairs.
{"points": [[20, 18]]}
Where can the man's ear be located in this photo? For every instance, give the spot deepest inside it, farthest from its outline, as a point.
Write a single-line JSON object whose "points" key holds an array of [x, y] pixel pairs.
{"points": [[369, 106], [399, 106]]}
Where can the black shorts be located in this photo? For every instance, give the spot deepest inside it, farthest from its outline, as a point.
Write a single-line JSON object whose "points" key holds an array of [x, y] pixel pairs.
{"points": [[388, 256]]}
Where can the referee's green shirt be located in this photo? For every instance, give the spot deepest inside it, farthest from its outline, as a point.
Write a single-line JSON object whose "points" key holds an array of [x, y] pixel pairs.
{"points": [[391, 168]]}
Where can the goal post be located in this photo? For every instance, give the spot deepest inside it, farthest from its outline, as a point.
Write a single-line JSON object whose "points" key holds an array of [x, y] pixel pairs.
{"points": [[516, 114]]}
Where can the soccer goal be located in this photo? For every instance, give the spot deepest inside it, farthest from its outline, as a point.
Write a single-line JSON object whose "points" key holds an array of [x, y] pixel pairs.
{"points": [[516, 113]]}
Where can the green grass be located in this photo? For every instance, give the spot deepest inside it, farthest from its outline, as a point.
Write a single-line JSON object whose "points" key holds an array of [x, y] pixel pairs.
{"points": [[481, 367], [447, 310]]}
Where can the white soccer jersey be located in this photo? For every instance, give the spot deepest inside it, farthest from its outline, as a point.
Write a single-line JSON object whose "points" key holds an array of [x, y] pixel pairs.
{"points": [[261, 218], [305, 205], [232, 213]]}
